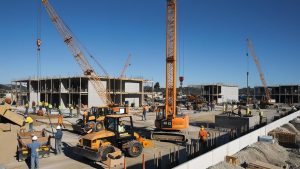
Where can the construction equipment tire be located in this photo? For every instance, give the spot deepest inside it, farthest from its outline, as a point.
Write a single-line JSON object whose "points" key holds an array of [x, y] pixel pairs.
{"points": [[99, 126], [105, 150], [90, 126], [134, 149]]}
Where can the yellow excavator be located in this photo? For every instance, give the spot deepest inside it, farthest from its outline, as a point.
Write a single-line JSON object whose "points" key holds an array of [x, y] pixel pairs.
{"points": [[168, 122]]}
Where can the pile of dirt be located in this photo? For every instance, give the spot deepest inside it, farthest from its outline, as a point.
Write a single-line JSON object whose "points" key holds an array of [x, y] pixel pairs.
{"points": [[271, 153], [291, 128]]}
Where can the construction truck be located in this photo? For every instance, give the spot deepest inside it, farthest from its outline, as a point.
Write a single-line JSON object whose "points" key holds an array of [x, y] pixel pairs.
{"points": [[111, 143], [94, 119], [25, 138]]}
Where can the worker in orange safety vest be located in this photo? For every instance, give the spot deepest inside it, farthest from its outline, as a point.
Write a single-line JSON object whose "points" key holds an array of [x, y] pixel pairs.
{"points": [[203, 135]]}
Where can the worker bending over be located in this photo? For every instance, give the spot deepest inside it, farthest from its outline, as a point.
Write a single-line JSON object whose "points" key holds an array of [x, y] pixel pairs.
{"points": [[34, 153]]}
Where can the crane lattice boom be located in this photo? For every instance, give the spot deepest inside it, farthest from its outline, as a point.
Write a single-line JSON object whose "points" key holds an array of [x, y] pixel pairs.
{"points": [[76, 51], [171, 59], [127, 63], [261, 74]]}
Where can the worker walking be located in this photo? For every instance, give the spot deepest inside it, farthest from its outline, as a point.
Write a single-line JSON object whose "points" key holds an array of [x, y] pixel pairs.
{"points": [[34, 153], [29, 120], [58, 136], [203, 136], [145, 111], [60, 119], [46, 106]]}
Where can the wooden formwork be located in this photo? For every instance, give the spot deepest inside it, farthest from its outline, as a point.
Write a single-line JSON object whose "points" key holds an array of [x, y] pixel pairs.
{"points": [[261, 165], [284, 137]]}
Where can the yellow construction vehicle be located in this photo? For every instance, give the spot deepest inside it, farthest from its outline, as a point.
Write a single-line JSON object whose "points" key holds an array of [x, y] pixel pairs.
{"points": [[116, 138], [93, 120], [168, 122]]}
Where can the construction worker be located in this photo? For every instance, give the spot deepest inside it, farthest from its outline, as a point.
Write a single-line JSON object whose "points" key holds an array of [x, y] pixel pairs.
{"points": [[58, 136], [121, 127], [145, 110], [84, 117], [240, 111], [40, 105], [203, 136], [26, 108], [71, 110], [248, 110], [34, 153], [261, 115], [33, 105], [29, 120], [60, 119], [50, 108], [78, 110], [46, 106]]}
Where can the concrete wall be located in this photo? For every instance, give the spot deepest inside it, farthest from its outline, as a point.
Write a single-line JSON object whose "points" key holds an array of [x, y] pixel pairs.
{"points": [[229, 93], [33, 97], [131, 87], [218, 154], [241, 124], [93, 97]]}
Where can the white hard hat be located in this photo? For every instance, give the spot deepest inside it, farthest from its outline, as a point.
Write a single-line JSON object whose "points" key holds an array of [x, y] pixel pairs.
{"points": [[58, 128], [34, 138]]}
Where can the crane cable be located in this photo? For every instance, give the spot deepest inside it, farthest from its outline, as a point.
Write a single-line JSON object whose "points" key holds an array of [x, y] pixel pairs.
{"points": [[38, 43]]}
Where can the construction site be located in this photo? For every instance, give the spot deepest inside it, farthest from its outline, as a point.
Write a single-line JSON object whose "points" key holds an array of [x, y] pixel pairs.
{"points": [[98, 120]]}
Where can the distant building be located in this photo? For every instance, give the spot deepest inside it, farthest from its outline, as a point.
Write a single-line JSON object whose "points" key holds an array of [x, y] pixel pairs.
{"points": [[77, 90], [218, 92], [281, 94]]}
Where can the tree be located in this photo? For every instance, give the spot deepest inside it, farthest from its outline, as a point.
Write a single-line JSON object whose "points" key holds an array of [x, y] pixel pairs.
{"points": [[156, 86]]}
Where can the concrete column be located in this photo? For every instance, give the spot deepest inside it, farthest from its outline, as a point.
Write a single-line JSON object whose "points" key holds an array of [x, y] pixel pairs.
{"points": [[69, 91], [142, 90], [121, 91]]}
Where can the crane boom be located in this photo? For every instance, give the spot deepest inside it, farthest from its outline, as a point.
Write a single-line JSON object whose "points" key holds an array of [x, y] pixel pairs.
{"points": [[261, 74], [171, 59], [76, 51], [127, 63]]}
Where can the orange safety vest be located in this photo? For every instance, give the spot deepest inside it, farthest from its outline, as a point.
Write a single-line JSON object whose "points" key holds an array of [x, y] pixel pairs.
{"points": [[60, 119], [203, 134]]}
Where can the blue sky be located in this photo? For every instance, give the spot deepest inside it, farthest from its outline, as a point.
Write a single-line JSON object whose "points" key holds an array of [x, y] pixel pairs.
{"points": [[211, 38]]}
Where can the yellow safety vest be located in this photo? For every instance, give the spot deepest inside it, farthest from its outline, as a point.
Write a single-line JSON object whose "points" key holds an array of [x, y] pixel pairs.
{"points": [[28, 120], [50, 106]]}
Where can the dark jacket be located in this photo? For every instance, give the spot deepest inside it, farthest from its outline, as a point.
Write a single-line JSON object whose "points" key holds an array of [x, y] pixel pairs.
{"points": [[58, 134], [33, 148]]}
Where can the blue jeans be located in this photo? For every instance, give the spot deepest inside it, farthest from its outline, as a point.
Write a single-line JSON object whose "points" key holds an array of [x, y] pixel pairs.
{"points": [[58, 146], [30, 127], [144, 115], [34, 162]]}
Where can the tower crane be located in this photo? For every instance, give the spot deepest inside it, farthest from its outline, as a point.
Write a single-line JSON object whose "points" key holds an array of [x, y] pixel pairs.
{"points": [[76, 51], [168, 123], [127, 63], [267, 99]]}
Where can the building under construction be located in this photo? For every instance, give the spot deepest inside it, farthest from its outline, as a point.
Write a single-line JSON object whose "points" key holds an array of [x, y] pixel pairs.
{"points": [[288, 94], [218, 92], [77, 90]]}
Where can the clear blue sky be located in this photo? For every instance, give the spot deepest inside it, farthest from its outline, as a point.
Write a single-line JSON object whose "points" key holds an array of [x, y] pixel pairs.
{"points": [[211, 38]]}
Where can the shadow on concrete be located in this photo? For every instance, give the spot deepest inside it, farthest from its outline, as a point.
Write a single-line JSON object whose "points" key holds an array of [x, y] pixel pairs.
{"points": [[68, 151]]}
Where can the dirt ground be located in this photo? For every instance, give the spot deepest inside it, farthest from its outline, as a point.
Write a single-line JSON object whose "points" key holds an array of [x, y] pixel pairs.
{"points": [[69, 160], [272, 153]]}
